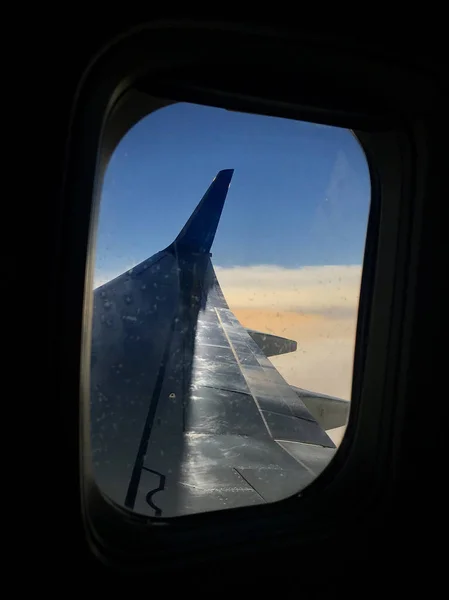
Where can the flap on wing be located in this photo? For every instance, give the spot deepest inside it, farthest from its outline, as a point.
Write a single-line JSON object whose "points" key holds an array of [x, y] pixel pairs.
{"points": [[330, 412], [272, 345]]}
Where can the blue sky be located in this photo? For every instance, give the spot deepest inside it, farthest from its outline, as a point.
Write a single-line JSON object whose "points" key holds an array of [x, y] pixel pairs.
{"points": [[299, 196]]}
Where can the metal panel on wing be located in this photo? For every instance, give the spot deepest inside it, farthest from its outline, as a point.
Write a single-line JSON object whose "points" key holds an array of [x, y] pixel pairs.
{"points": [[187, 413]]}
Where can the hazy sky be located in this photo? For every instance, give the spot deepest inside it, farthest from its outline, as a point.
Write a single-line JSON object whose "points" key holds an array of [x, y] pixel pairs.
{"points": [[290, 243]]}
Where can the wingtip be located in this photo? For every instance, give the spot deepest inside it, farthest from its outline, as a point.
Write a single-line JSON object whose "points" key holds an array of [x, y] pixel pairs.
{"points": [[198, 233], [225, 174]]}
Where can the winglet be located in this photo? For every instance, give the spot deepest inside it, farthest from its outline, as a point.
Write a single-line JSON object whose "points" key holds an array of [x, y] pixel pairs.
{"points": [[198, 233]]}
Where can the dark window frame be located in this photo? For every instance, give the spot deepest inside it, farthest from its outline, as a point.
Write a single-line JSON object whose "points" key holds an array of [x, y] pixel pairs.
{"points": [[391, 140]]}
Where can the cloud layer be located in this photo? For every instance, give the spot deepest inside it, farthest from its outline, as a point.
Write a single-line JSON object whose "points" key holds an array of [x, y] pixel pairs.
{"points": [[315, 306], [327, 290]]}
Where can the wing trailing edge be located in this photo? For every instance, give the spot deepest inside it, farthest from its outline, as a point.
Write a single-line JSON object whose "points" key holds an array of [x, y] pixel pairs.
{"points": [[329, 412]]}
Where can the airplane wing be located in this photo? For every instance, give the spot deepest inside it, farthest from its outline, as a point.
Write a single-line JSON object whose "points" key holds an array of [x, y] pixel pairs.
{"points": [[187, 413]]}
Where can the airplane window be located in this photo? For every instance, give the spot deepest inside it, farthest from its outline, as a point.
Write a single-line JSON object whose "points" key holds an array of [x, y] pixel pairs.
{"points": [[228, 271]]}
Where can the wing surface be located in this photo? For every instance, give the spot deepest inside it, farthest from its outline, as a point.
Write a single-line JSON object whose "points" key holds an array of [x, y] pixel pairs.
{"points": [[187, 413]]}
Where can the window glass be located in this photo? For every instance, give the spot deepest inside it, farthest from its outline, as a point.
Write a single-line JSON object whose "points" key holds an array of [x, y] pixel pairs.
{"points": [[227, 281]]}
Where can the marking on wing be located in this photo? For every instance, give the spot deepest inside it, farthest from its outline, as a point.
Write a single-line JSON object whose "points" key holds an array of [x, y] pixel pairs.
{"points": [[150, 494], [249, 483], [278, 442], [240, 367]]}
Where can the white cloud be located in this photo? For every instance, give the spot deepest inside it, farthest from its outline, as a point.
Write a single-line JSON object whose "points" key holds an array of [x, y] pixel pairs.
{"points": [[316, 306], [329, 289]]}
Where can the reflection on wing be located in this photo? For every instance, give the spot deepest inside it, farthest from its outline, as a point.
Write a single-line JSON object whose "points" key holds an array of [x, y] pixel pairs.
{"points": [[187, 413]]}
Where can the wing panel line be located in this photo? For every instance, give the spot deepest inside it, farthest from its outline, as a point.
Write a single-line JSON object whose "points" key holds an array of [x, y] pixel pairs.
{"points": [[295, 457], [240, 367]]}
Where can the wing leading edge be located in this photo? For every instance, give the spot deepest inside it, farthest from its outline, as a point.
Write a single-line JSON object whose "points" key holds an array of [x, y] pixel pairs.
{"points": [[187, 412]]}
